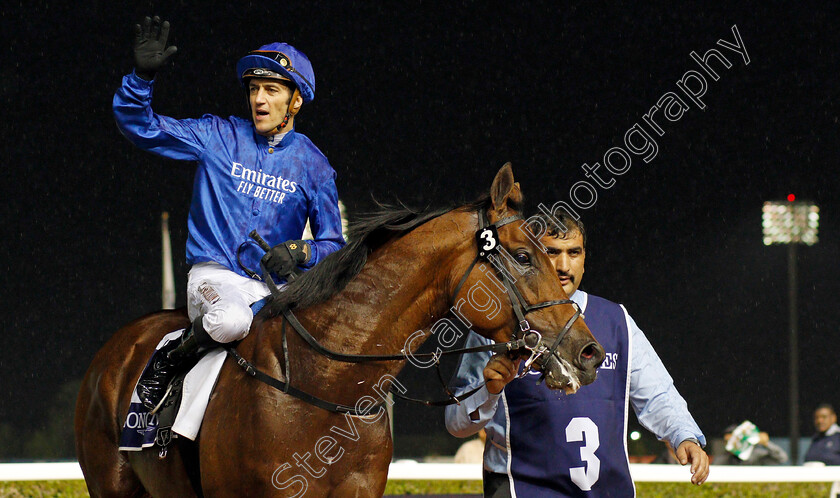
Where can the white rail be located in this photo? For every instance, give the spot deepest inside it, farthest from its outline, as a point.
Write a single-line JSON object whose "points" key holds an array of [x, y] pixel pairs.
{"points": [[453, 471], [52, 471]]}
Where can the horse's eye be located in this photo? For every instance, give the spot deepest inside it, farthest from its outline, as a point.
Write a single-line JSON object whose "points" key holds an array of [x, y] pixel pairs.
{"points": [[522, 258]]}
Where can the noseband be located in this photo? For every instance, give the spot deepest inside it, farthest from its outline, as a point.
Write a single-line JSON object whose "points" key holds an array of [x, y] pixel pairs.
{"points": [[489, 248]]}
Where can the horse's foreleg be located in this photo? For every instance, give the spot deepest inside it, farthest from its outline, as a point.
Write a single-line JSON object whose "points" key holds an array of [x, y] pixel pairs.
{"points": [[365, 472]]}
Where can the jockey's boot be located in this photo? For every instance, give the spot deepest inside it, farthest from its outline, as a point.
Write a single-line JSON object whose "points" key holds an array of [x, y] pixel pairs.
{"points": [[168, 360]]}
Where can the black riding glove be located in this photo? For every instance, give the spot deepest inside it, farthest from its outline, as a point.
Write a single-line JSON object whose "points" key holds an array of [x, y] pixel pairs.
{"points": [[150, 50], [283, 258]]}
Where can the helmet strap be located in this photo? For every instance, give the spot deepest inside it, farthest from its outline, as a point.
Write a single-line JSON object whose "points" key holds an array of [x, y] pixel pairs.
{"points": [[283, 124], [289, 111]]}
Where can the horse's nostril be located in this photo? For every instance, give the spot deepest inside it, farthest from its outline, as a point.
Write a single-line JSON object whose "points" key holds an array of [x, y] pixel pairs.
{"points": [[591, 355]]}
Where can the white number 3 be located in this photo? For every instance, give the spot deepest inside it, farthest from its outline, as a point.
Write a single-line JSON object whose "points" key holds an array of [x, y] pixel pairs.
{"points": [[491, 241], [584, 429]]}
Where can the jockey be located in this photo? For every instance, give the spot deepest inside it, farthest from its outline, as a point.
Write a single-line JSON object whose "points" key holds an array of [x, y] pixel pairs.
{"points": [[256, 174]]}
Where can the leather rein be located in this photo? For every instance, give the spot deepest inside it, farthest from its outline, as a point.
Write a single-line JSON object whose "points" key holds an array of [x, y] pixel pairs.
{"points": [[524, 337]]}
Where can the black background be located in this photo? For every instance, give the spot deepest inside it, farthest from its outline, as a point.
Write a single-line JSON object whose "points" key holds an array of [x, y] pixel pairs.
{"points": [[424, 101]]}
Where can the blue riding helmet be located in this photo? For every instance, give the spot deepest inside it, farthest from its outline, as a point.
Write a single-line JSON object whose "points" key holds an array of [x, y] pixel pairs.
{"points": [[279, 61]]}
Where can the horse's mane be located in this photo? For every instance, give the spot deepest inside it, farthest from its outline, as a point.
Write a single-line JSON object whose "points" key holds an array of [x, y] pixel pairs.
{"points": [[366, 235]]}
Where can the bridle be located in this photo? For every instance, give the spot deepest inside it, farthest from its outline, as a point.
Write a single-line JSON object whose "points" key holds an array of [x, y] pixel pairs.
{"points": [[524, 337], [531, 338]]}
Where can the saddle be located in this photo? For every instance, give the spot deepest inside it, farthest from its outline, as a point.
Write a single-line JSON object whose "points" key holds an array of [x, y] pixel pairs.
{"points": [[179, 415]]}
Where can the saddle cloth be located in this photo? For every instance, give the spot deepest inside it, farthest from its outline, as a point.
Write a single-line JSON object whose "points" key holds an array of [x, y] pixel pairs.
{"points": [[140, 429]]}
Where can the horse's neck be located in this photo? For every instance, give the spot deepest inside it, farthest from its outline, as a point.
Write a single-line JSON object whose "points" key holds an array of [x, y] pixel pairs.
{"points": [[402, 288]]}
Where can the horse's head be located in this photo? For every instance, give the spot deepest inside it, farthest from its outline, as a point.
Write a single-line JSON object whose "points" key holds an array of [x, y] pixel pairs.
{"points": [[511, 291]]}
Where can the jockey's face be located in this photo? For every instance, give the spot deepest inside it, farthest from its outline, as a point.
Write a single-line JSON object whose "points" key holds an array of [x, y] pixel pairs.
{"points": [[823, 419], [567, 254], [269, 102]]}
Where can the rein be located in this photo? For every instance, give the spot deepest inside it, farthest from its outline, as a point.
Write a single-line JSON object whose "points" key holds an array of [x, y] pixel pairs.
{"points": [[524, 338]]}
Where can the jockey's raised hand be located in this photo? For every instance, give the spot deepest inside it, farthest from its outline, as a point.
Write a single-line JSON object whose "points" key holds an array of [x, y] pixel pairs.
{"points": [[150, 50], [283, 258]]}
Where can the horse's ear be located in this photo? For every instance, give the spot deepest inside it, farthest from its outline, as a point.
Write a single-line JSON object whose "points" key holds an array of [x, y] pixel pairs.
{"points": [[505, 193]]}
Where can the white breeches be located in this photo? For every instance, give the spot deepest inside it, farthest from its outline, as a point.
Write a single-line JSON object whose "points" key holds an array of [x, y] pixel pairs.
{"points": [[222, 298]]}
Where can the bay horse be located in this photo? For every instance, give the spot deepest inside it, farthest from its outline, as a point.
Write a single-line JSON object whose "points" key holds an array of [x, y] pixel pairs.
{"points": [[400, 273]]}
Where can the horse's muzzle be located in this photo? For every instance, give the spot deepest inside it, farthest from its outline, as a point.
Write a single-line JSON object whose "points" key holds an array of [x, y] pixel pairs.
{"points": [[569, 376]]}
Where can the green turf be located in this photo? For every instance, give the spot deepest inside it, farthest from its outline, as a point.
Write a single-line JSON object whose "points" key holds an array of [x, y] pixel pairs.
{"points": [[74, 489], [57, 489], [644, 489]]}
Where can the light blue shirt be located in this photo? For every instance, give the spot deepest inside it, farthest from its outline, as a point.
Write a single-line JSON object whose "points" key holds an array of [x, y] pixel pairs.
{"points": [[658, 405]]}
